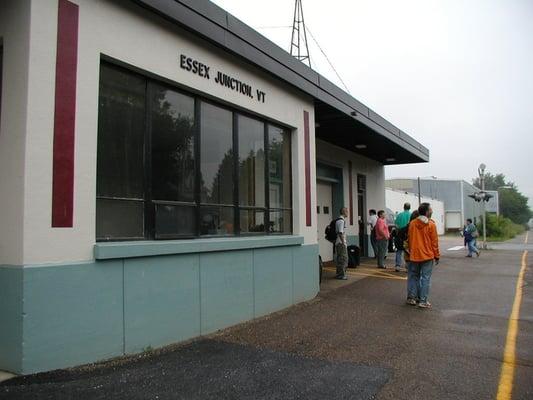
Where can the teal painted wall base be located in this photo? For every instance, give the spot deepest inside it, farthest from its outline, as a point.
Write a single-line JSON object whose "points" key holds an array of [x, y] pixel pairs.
{"points": [[57, 316]]}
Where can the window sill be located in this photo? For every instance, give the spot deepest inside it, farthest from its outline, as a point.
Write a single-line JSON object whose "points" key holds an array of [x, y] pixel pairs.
{"points": [[105, 251]]}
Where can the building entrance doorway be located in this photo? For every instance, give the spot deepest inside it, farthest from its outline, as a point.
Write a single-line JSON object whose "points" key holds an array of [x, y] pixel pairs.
{"points": [[324, 204], [362, 220]]}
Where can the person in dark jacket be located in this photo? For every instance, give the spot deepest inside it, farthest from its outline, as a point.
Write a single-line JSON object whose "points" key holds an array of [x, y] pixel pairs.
{"points": [[470, 233]]}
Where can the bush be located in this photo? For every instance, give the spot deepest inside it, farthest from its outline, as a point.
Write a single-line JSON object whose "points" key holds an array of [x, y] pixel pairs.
{"points": [[500, 228]]}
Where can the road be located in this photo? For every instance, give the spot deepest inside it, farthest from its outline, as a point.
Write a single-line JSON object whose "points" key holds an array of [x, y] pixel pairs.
{"points": [[359, 341]]}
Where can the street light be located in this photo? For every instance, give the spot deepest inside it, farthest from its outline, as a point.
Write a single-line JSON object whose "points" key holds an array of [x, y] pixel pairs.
{"points": [[481, 172]]}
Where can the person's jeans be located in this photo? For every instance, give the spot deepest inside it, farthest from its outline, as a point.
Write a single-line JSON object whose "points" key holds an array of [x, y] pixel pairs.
{"points": [[399, 254], [472, 247], [382, 247], [419, 280], [413, 281]]}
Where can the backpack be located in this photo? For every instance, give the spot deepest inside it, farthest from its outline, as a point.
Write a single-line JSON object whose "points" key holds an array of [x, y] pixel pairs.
{"points": [[331, 231]]}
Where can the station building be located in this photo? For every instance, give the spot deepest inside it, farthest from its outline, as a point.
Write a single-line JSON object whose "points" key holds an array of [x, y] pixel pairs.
{"points": [[165, 172]]}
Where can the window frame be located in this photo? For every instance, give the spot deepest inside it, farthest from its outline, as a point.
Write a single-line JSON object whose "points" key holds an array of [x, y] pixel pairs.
{"points": [[149, 218]]}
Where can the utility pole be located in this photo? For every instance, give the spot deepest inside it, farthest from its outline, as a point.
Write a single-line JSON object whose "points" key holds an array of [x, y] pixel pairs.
{"points": [[481, 171], [419, 194], [299, 47]]}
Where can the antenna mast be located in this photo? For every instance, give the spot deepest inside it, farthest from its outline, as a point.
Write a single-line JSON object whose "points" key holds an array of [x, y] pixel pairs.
{"points": [[299, 47]]}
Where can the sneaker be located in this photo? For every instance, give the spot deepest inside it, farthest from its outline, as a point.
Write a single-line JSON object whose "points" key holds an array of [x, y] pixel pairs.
{"points": [[469, 256], [382, 267], [397, 268], [411, 302], [478, 253], [342, 278], [424, 305]]}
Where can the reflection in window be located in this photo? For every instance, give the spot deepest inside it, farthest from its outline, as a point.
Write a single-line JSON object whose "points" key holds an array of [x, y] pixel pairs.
{"points": [[279, 167], [120, 134], [280, 221], [174, 221], [216, 155], [251, 162], [120, 166], [119, 219], [167, 167], [252, 221], [217, 220], [172, 117]]}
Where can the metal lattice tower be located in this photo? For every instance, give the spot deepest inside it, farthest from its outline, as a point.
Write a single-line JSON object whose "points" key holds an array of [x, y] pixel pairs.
{"points": [[299, 47]]}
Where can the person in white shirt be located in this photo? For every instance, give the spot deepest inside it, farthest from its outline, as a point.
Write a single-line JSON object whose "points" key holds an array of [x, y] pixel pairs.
{"points": [[341, 245], [372, 220]]}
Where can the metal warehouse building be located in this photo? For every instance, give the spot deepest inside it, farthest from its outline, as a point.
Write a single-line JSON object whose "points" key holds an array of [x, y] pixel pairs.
{"points": [[165, 172], [458, 206]]}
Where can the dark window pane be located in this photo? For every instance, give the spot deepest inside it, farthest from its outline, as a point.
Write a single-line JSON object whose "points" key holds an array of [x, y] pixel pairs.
{"points": [[216, 221], [120, 134], [172, 118], [119, 219], [216, 155], [251, 162], [172, 221], [280, 221], [1, 73], [252, 221], [279, 168]]}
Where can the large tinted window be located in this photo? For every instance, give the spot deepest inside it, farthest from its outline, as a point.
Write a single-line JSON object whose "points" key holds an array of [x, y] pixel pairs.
{"points": [[170, 165], [279, 167], [120, 165], [251, 162], [121, 126], [172, 119], [216, 155]]}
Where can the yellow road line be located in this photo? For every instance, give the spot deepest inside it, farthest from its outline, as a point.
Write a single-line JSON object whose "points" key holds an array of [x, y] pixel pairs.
{"points": [[505, 387], [398, 278], [372, 273], [527, 234]]}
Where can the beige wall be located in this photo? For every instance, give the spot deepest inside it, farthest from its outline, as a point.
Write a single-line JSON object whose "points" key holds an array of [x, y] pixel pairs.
{"points": [[14, 36], [132, 35], [374, 171]]}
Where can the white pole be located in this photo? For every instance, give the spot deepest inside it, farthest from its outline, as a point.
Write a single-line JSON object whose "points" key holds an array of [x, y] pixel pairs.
{"points": [[484, 214]]}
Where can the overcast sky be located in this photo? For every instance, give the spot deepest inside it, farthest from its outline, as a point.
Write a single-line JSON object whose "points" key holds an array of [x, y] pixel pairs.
{"points": [[456, 75]]}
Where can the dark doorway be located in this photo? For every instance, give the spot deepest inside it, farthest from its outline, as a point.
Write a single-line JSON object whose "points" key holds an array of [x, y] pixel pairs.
{"points": [[361, 207]]}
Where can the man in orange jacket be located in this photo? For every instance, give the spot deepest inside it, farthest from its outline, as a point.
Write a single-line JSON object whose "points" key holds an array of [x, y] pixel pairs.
{"points": [[423, 254]]}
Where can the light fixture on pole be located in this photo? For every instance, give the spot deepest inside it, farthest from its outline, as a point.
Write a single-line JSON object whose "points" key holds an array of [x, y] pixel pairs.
{"points": [[481, 172]]}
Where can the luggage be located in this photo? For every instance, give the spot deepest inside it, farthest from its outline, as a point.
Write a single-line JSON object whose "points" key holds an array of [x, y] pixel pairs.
{"points": [[354, 256]]}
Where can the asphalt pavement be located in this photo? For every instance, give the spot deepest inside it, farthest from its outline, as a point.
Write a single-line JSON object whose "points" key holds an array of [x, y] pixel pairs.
{"points": [[360, 341]]}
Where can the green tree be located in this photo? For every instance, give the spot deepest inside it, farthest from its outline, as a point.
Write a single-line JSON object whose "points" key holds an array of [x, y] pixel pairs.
{"points": [[513, 204]]}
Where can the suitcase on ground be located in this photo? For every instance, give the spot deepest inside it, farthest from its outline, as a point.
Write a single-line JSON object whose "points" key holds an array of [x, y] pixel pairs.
{"points": [[354, 256]]}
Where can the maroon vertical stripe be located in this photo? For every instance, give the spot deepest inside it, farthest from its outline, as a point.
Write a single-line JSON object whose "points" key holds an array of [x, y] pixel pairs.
{"points": [[350, 191], [307, 170], [65, 115]]}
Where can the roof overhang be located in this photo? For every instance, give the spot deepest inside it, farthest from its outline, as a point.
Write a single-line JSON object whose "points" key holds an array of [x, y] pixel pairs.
{"points": [[343, 120]]}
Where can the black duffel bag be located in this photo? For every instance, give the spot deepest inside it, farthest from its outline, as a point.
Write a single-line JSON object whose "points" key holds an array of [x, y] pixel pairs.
{"points": [[354, 256]]}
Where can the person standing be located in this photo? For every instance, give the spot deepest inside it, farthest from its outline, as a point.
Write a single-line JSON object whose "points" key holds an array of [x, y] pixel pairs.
{"points": [[471, 233], [372, 219], [341, 245], [382, 238], [423, 254], [413, 284], [402, 220]]}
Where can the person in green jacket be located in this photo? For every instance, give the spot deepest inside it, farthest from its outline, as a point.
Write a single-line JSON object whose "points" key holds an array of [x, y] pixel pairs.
{"points": [[402, 219]]}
